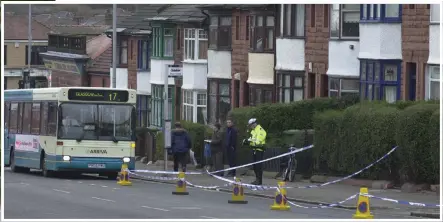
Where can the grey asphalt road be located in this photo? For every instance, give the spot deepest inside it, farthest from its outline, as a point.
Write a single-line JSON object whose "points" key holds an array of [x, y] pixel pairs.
{"points": [[30, 196]]}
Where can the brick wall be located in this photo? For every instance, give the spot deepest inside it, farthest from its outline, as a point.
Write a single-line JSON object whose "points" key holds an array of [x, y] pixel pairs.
{"points": [[316, 47], [99, 80], [179, 45], [415, 46], [239, 58], [132, 62], [66, 79]]}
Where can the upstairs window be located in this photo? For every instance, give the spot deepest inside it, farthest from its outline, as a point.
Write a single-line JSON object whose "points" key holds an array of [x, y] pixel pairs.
{"points": [[380, 13], [262, 33], [123, 50], [345, 21], [35, 55], [293, 20], [435, 13], [143, 57], [196, 44], [163, 42], [220, 32]]}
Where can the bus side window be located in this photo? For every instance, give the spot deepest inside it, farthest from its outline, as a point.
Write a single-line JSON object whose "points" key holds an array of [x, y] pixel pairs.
{"points": [[20, 118], [7, 106], [52, 118], [35, 122], [13, 116], [44, 119], [27, 118]]}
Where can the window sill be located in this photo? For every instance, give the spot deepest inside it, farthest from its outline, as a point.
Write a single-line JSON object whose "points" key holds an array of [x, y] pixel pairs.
{"points": [[162, 58], [344, 39], [385, 20], [261, 51], [220, 48], [143, 70], [291, 37], [434, 23], [122, 66], [200, 61]]}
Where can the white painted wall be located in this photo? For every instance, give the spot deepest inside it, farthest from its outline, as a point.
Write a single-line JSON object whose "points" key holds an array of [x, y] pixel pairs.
{"points": [[434, 44], [380, 41], [121, 78], [261, 68], [194, 75], [219, 64], [144, 82], [290, 54], [158, 71], [343, 61]]}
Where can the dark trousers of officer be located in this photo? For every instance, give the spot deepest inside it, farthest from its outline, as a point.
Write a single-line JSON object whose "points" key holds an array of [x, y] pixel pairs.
{"points": [[231, 160], [182, 159], [258, 168]]}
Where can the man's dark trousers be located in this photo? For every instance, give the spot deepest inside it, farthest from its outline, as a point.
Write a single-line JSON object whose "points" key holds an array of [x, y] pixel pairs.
{"points": [[258, 168], [182, 159]]}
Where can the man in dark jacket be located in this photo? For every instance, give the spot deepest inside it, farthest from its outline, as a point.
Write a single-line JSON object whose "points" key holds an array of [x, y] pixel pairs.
{"points": [[217, 149], [230, 145], [180, 145]]}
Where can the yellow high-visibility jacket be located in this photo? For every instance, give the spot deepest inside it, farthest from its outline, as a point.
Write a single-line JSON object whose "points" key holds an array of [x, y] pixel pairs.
{"points": [[258, 138]]}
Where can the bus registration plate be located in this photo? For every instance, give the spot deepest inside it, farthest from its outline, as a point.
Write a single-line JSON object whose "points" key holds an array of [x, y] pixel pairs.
{"points": [[96, 165]]}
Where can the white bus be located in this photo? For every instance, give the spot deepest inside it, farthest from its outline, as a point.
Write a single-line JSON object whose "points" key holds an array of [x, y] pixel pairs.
{"points": [[70, 129]]}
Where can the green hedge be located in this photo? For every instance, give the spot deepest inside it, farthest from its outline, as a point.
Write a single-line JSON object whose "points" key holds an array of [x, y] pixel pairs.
{"points": [[346, 141], [414, 140], [198, 133]]}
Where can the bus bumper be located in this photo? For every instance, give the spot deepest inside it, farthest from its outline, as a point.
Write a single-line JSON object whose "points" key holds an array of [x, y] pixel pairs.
{"points": [[92, 164]]}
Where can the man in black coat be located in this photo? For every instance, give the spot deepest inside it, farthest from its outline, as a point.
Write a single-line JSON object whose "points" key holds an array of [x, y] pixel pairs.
{"points": [[180, 145], [231, 145]]}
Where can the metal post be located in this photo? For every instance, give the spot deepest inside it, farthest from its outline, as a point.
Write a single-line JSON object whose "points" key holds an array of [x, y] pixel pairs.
{"points": [[114, 46], [167, 131], [26, 81]]}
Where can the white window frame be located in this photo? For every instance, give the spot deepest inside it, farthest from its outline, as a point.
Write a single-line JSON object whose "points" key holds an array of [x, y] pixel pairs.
{"points": [[435, 8], [340, 89], [198, 35], [431, 69], [190, 99], [337, 14], [298, 23]]}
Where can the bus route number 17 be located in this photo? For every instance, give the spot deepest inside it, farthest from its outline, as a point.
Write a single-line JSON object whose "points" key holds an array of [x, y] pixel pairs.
{"points": [[112, 96]]}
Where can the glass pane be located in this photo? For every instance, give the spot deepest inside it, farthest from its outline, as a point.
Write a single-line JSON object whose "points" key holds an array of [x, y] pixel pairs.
{"points": [[392, 10], [353, 7], [287, 95], [168, 32], [377, 92], [349, 84], [300, 20], [435, 13], [201, 99], [201, 115], [298, 94], [370, 71], [287, 80], [363, 91], [435, 90], [203, 49], [270, 21], [333, 93], [351, 24], [224, 89], [390, 94], [288, 19], [225, 107], [168, 47], [214, 20], [280, 95], [268, 96], [369, 92], [225, 21], [334, 84], [390, 72], [298, 81], [280, 80], [212, 87], [371, 10], [343, 94], [335, 20], [363, 70], [124, 55], [213, 105], [259, 20], [258, 96], [202, 34], [270, 40], [377, 71], [435, 72]]}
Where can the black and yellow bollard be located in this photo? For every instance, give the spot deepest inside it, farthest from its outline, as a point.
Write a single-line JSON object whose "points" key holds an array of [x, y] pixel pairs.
{"points": [[123, 178], [363, 210], [238, 194], [280, 201], [180, 189]]}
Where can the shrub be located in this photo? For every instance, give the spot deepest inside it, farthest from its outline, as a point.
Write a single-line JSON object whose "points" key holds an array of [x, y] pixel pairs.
{"points": [[414, 143], [434, 144]]}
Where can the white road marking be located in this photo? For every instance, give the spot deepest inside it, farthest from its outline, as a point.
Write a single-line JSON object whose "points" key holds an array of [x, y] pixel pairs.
{"points": [[91, 184], [208, 217], [102, 199], [116, 188], [26, 184], [104, 186], [154, 208], [79, 182], [186, 208], [62, 191], [69, 180]]}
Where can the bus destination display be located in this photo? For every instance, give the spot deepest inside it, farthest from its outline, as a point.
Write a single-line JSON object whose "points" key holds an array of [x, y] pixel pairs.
{"points": [[98, 95]]}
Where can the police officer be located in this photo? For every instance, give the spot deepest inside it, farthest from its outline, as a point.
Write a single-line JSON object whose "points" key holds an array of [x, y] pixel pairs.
{"points": [[257, 141]]}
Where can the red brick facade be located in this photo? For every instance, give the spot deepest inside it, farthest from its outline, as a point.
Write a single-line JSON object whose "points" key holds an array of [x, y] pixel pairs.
{"points": [[179, 45], [415, 46], [239, 57], [132, 62], [66, 79], [316, 48]]}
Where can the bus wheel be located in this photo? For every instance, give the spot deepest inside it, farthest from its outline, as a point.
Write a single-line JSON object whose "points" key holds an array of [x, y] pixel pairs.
{"points": [[45, 171]]}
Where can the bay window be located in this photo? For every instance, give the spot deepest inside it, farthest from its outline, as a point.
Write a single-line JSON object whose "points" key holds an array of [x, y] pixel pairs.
{"points": [[196, 44], [380, 80], [194, 106], [290, 87], [293, 20], [262, 33], [435, 13], [345, 21], [220, 32], [434, 82], [163, 42], [380, 13], [219, 101], [157, 104], [339, 87], [259, 94], [142, 110], [144, 49], [123, 52]]}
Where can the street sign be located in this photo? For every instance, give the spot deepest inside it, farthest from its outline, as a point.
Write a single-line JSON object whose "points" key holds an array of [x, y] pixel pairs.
{"points": [[175, 71]]}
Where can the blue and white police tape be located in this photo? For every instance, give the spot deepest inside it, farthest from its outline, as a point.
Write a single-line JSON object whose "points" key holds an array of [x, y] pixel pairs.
{"points": [[206, 187], [349, 176], [403, 202], [246, 185], [152, 177], [322, 206], [265, 160], [165, 172]]}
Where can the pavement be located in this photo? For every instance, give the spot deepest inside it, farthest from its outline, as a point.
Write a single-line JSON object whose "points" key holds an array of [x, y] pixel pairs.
{"points": [[323, 195], [90, 197]]}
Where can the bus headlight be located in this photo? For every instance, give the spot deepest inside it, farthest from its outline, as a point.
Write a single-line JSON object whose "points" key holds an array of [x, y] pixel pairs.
{"points": [[126, 160], [66, 158]]}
